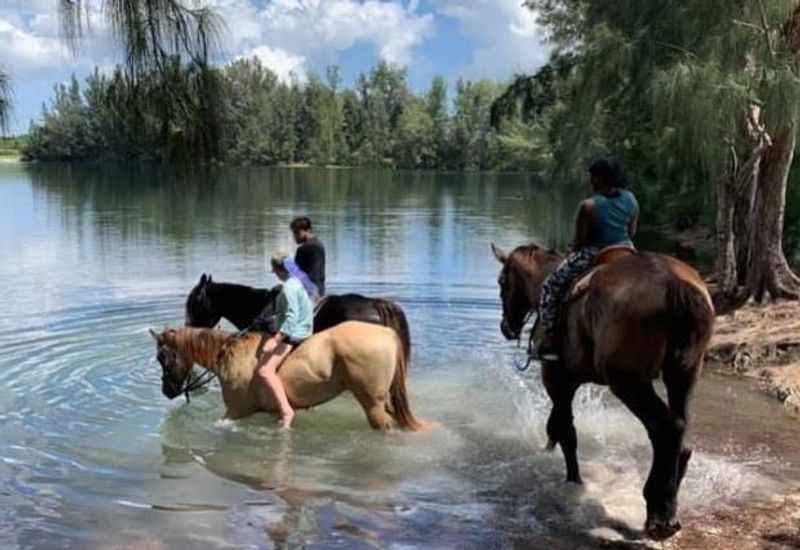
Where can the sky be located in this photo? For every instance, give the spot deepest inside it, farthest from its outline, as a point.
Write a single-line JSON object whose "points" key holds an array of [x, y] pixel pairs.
{"points": [[469, 39]]}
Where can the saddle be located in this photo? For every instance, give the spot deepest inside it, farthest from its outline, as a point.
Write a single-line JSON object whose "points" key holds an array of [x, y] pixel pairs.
{"points": [[606, 256]]}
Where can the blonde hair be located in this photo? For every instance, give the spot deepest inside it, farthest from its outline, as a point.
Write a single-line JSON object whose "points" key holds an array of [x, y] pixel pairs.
{"points": [[278, 258]]}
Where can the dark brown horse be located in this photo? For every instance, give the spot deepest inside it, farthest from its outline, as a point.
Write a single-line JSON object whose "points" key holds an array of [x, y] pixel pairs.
{"points": [[210, 301], [643, 316]]}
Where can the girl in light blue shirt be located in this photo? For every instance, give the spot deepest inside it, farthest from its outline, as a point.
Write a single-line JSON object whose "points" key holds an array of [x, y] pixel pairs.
{"points": [[295, 317]]}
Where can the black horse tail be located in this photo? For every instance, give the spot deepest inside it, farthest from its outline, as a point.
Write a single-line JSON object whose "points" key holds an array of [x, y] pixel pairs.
{"points": [[692, 315], [393, 316], [400, 408]]}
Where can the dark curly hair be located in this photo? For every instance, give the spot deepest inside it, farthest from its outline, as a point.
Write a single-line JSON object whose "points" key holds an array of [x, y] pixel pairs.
{"points": [[610, 171]]}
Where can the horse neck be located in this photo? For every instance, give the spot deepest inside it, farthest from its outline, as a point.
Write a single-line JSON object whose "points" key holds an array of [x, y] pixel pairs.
{"points": [[534, 277], [239, 304], [200, 345]]}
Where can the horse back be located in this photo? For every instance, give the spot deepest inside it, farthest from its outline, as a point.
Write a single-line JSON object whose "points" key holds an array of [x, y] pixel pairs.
{"points": [[350, 354], [346, 307], [635, 315]]}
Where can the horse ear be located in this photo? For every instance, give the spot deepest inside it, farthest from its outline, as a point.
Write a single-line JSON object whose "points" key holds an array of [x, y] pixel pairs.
{"points": [[209, 278], [202, 279], [156, 336], [500, 254]]}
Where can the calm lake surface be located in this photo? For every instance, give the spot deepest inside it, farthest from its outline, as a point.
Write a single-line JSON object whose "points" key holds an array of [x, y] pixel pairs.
{"points": [[93, 456]]}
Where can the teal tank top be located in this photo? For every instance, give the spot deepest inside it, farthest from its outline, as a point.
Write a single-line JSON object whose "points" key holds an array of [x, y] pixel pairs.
{"points": [[611, 219]]}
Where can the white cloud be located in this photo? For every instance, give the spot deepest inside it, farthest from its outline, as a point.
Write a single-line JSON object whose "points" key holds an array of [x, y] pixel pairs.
{"points": [[319, 30], [281, 62], [24, 51], [505, 36]]}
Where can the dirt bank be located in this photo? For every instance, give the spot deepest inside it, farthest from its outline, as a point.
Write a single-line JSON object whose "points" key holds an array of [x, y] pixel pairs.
{"points": [[762, 343]]}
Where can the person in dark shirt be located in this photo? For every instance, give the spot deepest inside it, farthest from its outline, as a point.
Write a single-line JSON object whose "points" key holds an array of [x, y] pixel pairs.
{"points": [[310, 255]]}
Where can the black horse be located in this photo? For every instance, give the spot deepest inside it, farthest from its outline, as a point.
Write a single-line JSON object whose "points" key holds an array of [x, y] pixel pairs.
{"points": [[208, 302]]}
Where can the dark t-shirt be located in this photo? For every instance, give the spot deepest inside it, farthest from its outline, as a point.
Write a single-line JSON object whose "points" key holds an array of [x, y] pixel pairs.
{"points": [[310, 257]]}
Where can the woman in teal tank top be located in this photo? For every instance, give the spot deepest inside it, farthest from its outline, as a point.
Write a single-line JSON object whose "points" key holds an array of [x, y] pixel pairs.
{"points": [[609, 218]]}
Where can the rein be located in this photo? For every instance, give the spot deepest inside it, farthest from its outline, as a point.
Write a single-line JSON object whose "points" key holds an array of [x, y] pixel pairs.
{"points": [[530, 351], [201, 381]]}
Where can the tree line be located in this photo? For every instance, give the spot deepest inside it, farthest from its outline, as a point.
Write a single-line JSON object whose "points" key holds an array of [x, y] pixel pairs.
{"points": [[243, 113]]}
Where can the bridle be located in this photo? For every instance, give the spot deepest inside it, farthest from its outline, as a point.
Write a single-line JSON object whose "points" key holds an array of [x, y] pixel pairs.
{"points": [[186, 388], [530, 351], [200, 381]]}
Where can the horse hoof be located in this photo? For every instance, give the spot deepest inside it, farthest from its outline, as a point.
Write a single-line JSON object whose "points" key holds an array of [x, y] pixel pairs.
{"points": [[575, 481], [660, 530], [550, 446]]}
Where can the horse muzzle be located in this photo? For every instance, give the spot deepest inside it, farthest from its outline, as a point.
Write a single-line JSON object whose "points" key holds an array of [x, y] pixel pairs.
{"points": [[507, 332], [170, 389]]}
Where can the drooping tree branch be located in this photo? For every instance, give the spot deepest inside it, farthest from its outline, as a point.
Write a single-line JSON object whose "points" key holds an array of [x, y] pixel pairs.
{"points": [[149, 31], [5, 101]]}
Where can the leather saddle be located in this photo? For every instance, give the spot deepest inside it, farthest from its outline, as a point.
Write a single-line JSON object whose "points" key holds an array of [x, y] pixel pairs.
{"points": [[606, 256]]}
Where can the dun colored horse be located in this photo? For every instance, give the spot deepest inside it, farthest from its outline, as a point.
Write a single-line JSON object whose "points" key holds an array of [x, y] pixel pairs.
{"points": [[209, 301], [641, 316], [366, 359]]}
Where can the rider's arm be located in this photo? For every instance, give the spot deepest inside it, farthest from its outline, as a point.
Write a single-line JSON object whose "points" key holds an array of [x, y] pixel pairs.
{"points": [[583, 225], [288, 305], [633, 227]]}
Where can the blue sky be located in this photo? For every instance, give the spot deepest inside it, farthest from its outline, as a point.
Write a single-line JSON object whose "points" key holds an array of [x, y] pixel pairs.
{"points": [[469, 39]]}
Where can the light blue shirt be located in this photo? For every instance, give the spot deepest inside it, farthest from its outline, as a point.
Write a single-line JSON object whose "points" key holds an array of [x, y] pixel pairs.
{"points": [[295, 312], [612, 219]]}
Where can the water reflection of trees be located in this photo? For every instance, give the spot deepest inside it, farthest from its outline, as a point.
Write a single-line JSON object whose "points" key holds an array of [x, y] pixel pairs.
{"points": [[379, 218]]}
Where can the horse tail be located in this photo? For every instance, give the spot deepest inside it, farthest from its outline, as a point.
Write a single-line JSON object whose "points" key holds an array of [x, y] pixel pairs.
{"points": [[691, 313], [398, 395], [393, 316]]}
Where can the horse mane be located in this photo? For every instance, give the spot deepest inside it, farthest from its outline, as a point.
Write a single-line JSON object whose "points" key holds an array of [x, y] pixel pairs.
{"points": [[201, 344], [528, 251]]}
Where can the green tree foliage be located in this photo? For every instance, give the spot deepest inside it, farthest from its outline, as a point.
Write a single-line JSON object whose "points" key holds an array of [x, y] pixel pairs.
{"points": [[262, 120], [700, 99]]}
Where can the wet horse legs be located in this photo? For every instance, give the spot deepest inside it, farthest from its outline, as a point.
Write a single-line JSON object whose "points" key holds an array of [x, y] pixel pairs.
{"points": [[680, 384], [560, 425], [666, 431]]}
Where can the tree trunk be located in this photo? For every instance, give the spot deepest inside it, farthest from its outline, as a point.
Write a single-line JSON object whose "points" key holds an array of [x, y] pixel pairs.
{"points": [[768, 271], [743, 218], [726, 265]]}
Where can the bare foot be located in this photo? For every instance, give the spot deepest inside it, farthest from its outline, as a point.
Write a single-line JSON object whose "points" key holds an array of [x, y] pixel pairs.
{"points": [[286, 419]]}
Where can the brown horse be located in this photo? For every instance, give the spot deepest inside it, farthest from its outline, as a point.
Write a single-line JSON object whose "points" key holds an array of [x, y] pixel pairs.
{"points": [[642, 316], [366, 359]]}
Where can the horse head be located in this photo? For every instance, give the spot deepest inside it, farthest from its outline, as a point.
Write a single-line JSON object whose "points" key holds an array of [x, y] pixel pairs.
{"points": [[199, 309], [175, 368], [524, 270]]}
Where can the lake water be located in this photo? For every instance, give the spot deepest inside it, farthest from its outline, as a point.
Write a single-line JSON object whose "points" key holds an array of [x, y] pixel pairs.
{"points": [[93, 456]]}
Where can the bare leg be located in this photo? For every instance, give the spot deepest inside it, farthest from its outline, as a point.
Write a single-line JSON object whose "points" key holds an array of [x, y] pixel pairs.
{"points": [[268, 374]]}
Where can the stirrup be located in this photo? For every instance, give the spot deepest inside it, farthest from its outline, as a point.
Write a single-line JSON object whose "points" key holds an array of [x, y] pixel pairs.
{"points": [[548, 357]]}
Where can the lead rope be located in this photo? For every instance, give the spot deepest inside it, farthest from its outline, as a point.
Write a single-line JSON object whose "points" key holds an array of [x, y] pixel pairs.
{"points": [[531, 352]]}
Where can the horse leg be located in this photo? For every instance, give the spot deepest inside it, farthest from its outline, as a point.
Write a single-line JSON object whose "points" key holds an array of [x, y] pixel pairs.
{"points": [[665, 431], [376, 410], [680, 384], [560, 426]]}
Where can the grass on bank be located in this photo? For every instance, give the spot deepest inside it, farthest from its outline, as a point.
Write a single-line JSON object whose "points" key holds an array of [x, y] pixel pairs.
{"points": [[11, 148]]}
